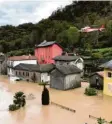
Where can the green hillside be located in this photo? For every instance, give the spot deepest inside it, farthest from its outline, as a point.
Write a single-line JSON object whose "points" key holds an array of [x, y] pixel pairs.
{"points": [[63, 26]]}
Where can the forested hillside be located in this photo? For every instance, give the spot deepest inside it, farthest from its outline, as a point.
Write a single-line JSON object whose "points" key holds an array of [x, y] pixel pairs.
{"points": [[63, 26]]}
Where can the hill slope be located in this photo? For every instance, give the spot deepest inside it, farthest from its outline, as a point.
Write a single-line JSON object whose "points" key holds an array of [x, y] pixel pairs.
{"points": [[62, 26]]}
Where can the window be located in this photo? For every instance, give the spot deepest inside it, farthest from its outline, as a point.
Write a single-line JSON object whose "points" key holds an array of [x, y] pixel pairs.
{"points": [[109, 74], [23, 73], [27, 73], [19, 73], [16, 73]]}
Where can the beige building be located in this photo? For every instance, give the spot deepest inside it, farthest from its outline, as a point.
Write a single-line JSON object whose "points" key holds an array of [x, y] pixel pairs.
{"points": [[32, 72]]}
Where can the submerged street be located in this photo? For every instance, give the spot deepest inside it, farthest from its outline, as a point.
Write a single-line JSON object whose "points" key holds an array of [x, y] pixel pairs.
{"points": [[35, 113]]}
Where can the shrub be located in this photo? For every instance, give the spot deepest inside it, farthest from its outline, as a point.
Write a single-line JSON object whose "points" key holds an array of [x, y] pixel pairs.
{"points": [[13, 107], [19, 101], [45, 96], [110, 122], [43, 83], [100, 121], [90, 91]]}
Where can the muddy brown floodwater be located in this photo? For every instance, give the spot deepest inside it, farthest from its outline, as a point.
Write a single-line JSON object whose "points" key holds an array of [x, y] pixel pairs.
{"points": [[35, 113]]}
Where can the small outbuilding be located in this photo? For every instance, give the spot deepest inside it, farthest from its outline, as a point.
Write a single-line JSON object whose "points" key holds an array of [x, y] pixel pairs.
{"points": [[96, 80], [65, 77]]}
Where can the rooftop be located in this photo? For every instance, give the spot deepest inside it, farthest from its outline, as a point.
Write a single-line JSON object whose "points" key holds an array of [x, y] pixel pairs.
{"points": [[68, 69], [66, 58], [100, 73], [45, 43], [24, 57], [34, 67], [107, 65]]}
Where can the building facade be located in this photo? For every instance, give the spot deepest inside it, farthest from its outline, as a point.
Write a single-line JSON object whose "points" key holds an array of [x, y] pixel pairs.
{"points": [[65, 77], [70, 60], [15, 60], [46, 51], [108, 78], [96, 80], [33, 72]]}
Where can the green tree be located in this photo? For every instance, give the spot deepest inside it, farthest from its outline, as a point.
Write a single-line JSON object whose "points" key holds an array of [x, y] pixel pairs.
{"points": [[100, 121], [18, 102]]}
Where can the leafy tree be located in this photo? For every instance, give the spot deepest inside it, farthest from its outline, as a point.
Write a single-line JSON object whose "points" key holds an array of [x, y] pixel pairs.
{"points": [[19, 101], [100, 121]]}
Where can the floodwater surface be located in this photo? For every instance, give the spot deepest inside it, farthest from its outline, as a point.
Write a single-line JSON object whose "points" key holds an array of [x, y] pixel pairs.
{"points": [[35, 113]]}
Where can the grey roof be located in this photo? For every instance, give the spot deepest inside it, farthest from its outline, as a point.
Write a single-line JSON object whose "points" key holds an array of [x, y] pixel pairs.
{"points": [[66, 58], [45, 43], [68, 69], [107, 65], [34, 67]]}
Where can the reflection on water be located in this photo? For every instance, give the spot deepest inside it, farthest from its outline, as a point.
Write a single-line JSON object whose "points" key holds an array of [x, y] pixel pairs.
{"points": [[34, 112], [6, 98]]}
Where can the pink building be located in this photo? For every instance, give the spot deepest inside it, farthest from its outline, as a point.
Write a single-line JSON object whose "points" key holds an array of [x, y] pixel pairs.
{"points": [[46, 51]]}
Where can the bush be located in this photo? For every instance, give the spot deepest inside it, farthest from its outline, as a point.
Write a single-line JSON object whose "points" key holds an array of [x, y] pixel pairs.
{"points": [[45, 96], [13, 107], [90, 91], [43, 83], [100, 121], [110, 122], [19, 101]]}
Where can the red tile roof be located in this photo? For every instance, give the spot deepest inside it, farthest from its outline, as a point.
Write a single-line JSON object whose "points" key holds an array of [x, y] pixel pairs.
{"points": [[24, 57], [101, 73]]}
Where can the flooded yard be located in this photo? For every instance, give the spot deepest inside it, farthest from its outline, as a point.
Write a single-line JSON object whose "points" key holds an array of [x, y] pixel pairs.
{"points": [[35, 113]]}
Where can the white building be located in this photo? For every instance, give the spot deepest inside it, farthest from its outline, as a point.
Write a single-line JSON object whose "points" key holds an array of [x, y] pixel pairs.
{"points": [[16, 60], [70, 60]]}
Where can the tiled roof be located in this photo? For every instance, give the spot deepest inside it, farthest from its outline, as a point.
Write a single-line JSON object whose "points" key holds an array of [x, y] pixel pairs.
{"points": [[68, 69], [66, 58], [101, 73], [24, 57], [34, 67]]}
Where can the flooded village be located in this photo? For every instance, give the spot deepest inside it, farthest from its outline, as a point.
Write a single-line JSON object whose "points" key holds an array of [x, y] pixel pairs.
{"points": [[64, 75], [59, 69]]}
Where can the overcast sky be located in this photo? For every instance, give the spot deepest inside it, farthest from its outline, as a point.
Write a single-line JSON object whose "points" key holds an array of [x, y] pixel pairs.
{"points": [[16, 12]]}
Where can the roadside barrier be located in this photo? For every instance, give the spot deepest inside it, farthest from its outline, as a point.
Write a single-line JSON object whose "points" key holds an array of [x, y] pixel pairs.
{"points": [[63, 107]]}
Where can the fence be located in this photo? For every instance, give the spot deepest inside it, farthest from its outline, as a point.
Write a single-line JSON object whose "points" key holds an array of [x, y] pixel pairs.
{"points": [[63, 107]]}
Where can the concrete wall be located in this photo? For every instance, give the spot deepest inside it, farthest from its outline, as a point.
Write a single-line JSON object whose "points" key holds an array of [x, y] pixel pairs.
{"points": [[62, 82], [57, 80], [14, 63], [40, 77], [72, 81], [79, 63], [45, 77], [27, 75], [107, 83]]}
